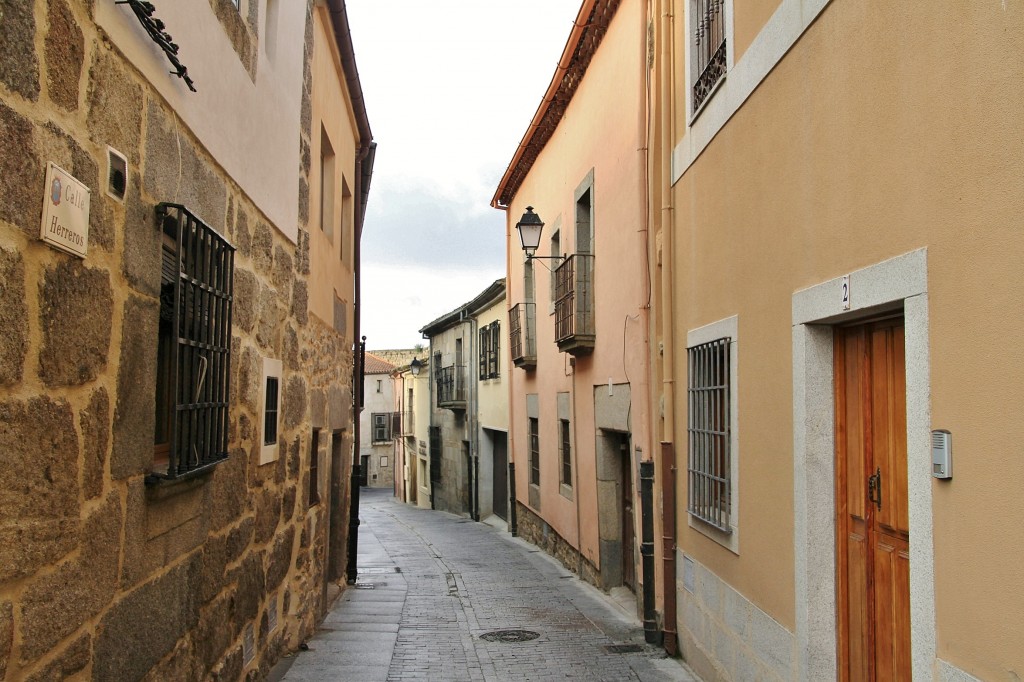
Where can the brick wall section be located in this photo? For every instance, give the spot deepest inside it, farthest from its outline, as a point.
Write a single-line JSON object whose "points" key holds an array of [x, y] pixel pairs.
{"points": [[102, 576]]}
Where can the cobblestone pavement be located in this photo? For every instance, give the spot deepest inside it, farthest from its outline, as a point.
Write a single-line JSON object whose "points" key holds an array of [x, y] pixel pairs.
{"points": [[431, 584]]}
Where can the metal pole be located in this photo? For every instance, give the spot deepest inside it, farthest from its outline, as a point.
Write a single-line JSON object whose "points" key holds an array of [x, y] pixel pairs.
{"points": [[353, 516], [651, 634], [513, 528]]}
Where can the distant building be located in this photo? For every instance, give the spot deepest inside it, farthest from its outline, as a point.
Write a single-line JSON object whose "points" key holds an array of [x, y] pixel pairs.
{"points": [[379, 424], [578, 313], [464, 356], [412, 403], [176, 365]]}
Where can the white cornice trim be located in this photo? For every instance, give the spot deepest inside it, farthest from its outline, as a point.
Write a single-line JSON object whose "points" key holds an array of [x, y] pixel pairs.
{"points": [[785, 27]]}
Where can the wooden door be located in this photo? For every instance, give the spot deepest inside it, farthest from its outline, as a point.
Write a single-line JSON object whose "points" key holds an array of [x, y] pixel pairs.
{"points": [[872, 526]]}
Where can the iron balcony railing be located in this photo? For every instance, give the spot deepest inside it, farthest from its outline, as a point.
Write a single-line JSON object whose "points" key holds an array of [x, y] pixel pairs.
{"points": [[451, 387], [522, 335], [574, 304]]}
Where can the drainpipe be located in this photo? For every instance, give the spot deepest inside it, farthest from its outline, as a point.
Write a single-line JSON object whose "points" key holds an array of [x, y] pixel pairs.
{"points": [[667, 314], [651, 633], [668, 544], [473, 424]]}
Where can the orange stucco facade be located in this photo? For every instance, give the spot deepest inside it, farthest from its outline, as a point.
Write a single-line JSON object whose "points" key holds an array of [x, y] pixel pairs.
{"points": [[881, 142]]}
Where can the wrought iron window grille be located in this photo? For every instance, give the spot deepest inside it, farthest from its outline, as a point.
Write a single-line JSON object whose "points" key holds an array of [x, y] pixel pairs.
{"points": [[144, 12], [709, 404], [708, 48], [194, 371]]}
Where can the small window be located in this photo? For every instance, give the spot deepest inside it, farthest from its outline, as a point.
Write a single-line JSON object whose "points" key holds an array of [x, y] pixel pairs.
{"points": [[381, 422], [565, 446], [534, 451], [708, 402], [314, 469], [270, 413], [193, 345], [271, 401], [380, 385]]}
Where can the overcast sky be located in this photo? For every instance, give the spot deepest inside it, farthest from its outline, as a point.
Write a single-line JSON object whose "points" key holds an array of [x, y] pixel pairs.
{"points": [[450, 88]]}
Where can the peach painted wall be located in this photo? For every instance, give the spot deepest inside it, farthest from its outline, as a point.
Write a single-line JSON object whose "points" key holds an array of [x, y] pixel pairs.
{"points": [[887, 127], [603, 131]]}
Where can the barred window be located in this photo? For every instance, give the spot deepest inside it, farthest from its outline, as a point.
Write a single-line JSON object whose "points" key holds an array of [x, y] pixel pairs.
{"points": [[194, 345], [485, 351], [381, 427], [490, 346], [270, 413], [314, 469], [492, 358], [534, 451], [707, 19], [566, 448], [708, 402]]}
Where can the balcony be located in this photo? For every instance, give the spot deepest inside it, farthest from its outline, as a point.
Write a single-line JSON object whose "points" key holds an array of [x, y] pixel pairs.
{"points": [[574, 305], [522, 335], [451, 387]]}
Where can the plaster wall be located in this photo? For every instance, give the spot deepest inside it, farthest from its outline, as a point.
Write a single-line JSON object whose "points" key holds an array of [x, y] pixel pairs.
{"points": [[492, 399], [840, 159], [236, 82], [331, 250], [599, 138], [378, 402]]}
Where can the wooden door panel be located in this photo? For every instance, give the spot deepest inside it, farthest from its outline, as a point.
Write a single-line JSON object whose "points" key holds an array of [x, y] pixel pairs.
{"points": [[892, 607], [873, 583]]}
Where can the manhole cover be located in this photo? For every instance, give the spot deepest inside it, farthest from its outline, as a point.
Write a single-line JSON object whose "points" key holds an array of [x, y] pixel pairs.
{"points": [[509, 636], [623, 648]]}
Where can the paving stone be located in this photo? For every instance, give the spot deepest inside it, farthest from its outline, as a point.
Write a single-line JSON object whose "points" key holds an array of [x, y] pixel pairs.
{"points": [[457, 581]]}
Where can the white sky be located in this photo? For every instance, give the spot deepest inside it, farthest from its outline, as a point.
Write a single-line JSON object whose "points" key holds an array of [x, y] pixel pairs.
{"points": [[450, 88]]}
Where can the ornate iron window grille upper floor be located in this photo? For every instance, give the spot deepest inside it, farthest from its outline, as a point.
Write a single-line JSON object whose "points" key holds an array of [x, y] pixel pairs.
{"points": [[708, 48], [194, 355]]}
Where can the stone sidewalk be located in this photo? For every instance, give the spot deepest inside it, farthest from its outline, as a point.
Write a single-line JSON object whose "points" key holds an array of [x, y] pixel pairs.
{"points": [[434, 589]]}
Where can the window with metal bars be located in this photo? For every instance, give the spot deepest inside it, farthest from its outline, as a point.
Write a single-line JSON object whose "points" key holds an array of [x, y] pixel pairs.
{"points": [[314, 469], [566, 448], [709, 408], [194, 346], [485, 351], [709, 49], [270, 412], [534, 451], [492, 356], [381, 427]]}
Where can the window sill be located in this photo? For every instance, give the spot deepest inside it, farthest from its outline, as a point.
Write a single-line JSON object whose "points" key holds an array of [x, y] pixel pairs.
{"points": [[704, 105], [159, 486]]}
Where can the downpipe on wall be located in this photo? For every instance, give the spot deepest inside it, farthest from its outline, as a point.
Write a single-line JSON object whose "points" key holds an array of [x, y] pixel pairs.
{"points": [[651, 633], [513, 526]]}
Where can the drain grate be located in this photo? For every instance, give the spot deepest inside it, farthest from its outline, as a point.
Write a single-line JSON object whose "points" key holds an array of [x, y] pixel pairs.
{"points": [[623, 648], [365, 586], [376, 570], [509, 636]]}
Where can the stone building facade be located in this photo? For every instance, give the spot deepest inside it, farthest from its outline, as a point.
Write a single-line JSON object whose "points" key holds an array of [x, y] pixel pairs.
{"points": [[114, 562]]}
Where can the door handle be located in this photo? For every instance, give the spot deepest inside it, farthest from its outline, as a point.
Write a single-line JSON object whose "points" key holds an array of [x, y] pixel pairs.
{"points": [[875, 488]]}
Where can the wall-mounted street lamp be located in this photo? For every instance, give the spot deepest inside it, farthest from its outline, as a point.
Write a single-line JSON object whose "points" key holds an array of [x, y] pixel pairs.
{"points": [[415, 366], [530, 227]]}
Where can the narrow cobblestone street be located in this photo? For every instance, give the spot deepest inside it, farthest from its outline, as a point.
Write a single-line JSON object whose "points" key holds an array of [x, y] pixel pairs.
{"points": [[431, 584]]}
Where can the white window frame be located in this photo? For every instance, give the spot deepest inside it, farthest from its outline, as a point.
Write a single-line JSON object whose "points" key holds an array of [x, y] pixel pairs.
{"points": [[271, 368], [728, 327]]}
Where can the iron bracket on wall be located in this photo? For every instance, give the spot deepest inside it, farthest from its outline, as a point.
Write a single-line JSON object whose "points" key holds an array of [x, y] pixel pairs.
{"points": [[155, 28]]}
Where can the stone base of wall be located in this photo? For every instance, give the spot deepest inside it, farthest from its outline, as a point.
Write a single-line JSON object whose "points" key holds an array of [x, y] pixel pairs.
{"points": [[723, 635], [536, 530]]}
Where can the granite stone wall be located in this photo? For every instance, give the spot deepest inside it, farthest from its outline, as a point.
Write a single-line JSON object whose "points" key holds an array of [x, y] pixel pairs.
{"points": [[102, 575]]}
